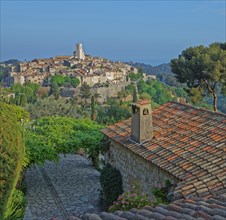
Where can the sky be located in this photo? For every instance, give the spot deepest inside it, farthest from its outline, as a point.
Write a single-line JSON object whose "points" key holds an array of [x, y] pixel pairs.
{"points": [[152, 32]]}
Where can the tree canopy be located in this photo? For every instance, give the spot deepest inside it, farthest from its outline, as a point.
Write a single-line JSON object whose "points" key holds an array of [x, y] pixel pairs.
{"points": [[203, 69], [66, 81]]}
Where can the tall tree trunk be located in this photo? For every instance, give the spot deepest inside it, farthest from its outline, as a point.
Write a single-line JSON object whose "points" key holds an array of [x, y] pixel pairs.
{"points": [[213, 93], [215, 102]]}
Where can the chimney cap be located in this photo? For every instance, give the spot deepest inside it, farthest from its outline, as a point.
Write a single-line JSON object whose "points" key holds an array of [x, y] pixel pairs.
{"points": [[142, 102]]}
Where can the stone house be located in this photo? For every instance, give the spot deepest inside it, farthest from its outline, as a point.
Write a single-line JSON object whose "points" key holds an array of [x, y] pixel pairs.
{"points": [[175, 142], [18, 78], [36, 78], [93, 79]]}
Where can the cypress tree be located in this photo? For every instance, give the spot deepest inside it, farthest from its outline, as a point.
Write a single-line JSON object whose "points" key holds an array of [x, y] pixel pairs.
{"points": [[23, 99], [134, 96], [93, 109]]}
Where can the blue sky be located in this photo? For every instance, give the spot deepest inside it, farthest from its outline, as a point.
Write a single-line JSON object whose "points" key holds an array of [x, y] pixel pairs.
{"points": [[152, 32]]}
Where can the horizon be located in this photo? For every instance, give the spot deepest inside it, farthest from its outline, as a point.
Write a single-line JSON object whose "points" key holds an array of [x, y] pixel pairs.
{"points": [[150, 32]]}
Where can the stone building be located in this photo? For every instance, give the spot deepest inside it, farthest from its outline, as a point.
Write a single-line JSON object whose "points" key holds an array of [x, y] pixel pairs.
{"points": [[175, 142], [18, 79], [184, 145], [79, 53]]}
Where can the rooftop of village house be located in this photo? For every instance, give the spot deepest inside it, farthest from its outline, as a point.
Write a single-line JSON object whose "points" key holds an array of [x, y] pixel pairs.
{"points": [[187, 142], [195, 208]]}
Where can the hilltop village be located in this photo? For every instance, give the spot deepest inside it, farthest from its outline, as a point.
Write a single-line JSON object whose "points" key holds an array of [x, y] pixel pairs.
{"points": [[91, 70], [158, 156]]}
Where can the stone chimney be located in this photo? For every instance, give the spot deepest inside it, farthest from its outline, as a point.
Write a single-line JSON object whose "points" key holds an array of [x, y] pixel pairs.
{"points": [[141, 127]]}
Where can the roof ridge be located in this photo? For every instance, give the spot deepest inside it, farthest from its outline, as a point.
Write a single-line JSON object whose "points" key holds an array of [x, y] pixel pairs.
{"points": [[194, 107]]}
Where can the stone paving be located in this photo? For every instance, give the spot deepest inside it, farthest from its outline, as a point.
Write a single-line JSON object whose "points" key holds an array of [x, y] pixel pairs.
{"points": [[59, 190]]}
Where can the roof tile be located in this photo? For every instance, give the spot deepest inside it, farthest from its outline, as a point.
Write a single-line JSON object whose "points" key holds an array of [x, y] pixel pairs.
{"points": [[188, 142]]}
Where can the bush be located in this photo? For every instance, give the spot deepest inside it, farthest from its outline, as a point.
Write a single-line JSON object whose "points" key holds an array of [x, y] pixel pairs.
{"points": [[16, 206], [111, 184], [160, 193], [12, 156], [135, 198]]}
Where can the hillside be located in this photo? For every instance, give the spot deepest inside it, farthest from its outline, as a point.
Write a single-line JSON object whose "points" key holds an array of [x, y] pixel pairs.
{"points": [[149, 69]]}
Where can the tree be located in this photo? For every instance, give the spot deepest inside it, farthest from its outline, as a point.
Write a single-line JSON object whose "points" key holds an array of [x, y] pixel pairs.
{"points": [[134, 96], [93, 109], [54, 90], [112, 113], [23, 99], [75, 82], [58, 79], [96, 97], [85, 92], [52, 107], [30, 90], [202, 68]]}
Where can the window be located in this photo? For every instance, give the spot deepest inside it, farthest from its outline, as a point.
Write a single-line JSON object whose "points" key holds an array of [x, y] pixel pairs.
{"points": [[145, 111]]}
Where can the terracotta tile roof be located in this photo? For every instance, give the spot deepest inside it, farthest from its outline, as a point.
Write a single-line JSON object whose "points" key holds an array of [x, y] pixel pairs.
{"points": [[188, 142], [196, 208]]}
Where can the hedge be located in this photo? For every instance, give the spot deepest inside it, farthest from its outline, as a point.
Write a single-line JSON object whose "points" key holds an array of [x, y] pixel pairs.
{"points": [[11, 154]]}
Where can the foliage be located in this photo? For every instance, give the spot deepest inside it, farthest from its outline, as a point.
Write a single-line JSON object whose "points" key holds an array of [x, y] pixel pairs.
{"points": [[202, 68], [55, 90], [135, 198], [145, 96], [52, 107], [136, 76], [160, 195], [85, 92], [93, 109], [75, 82], [57, 79], [2, 75], [12, 155], [27, 92], [159, 92], [23, 99], [111, 184], [66, 81], [49, 136], [112, 112], [134, 96], [43, 92], [16, 206], [123, 93]]}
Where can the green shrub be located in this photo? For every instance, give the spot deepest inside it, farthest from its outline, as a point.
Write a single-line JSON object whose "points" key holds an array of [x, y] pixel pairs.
{"points": [[135, 198], [16, 206], [160, 193], [11, 156], [111, 184]]}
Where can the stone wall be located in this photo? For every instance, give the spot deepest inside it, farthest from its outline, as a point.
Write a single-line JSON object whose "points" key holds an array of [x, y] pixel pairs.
{"points": [[111, 91], [104, 92], [135, 168]]}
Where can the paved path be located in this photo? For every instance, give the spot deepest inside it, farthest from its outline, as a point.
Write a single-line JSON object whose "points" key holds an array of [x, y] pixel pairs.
{"points": [[59, 190]]}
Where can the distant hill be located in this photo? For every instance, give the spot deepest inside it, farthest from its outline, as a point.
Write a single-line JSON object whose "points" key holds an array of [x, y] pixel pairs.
{"points": [[11, 61], [149, 69]]}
